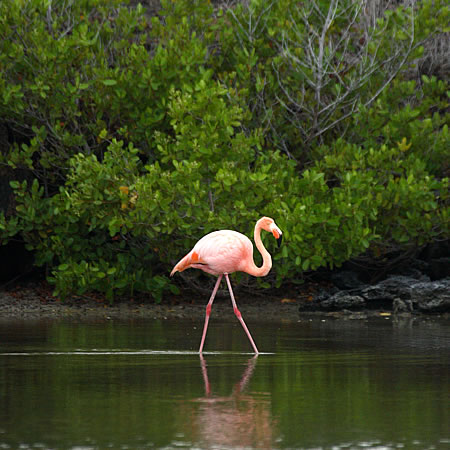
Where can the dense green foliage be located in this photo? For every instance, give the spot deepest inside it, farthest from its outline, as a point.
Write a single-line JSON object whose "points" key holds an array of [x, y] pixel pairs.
{"points": [[138, 135]]}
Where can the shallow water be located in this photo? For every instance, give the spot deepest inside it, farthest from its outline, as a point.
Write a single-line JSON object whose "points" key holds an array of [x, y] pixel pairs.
{"points": [[321, 383]]}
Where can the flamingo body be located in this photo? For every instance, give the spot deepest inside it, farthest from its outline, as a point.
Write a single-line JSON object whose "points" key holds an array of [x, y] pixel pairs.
{"points": [[219, 252], [226, 251]]}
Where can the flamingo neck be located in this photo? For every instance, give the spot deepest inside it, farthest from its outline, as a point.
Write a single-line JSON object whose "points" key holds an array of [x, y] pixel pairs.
{"points": [[267, 259]]}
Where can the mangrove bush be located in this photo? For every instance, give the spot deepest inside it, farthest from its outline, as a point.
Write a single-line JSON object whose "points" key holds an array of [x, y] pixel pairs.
{"points": [[125, 137]]}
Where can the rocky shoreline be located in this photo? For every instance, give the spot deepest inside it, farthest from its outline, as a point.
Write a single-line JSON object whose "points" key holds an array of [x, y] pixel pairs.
{"points": [[397, 293], [345, 297]]}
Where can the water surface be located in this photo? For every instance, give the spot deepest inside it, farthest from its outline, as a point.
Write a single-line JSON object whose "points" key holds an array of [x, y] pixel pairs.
{"points": [[320, 383]]}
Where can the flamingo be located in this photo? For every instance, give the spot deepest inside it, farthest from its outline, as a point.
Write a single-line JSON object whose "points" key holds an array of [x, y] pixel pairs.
{"points": [[225, 251]]}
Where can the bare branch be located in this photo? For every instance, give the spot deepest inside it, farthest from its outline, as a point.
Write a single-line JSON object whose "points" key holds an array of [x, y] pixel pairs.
{"points": [[336, 66]]}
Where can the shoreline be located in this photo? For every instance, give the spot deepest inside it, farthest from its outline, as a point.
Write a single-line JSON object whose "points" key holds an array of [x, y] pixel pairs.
{"points": [[36, 302]]}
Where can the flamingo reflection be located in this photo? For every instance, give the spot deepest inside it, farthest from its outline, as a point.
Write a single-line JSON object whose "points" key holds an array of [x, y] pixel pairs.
{"points": [[239, 420]]}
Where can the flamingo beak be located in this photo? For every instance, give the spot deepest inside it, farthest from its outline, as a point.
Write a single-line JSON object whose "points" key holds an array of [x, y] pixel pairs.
{"points": [[279, 239], [278, 235]]}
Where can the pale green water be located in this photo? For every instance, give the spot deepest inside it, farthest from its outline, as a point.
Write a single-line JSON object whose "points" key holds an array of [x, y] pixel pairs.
{"points": [[322, 384]]}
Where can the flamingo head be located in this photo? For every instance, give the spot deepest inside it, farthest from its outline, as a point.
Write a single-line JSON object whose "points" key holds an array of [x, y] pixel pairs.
{"points": [[269, 225]]}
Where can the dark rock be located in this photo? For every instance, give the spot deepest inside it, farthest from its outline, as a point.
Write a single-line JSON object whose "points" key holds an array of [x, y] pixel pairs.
{"points": [[305, 304], [425, 295], [324, 294], [343, 300], [398, 293], [433, 296], [400, 306], [389, 289]]}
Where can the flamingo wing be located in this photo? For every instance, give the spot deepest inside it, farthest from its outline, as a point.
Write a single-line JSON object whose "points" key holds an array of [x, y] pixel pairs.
{"points": [[223, 251]]}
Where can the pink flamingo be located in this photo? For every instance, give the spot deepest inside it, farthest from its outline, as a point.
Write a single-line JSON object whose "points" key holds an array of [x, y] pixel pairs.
{"points": [[224, 252]]}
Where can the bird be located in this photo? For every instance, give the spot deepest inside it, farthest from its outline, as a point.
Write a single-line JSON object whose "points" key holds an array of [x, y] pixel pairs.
{"points": [[223, 252]]}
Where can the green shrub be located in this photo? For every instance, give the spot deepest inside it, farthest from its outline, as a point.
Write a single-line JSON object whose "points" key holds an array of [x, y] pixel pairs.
{"points": [[305, 69], [69, 72], [120, 214], [138, 137], [416, 114]]}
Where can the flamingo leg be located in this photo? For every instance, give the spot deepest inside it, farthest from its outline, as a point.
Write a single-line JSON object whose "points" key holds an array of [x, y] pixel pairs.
{"points": [[208, 312], [239, 315]]}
